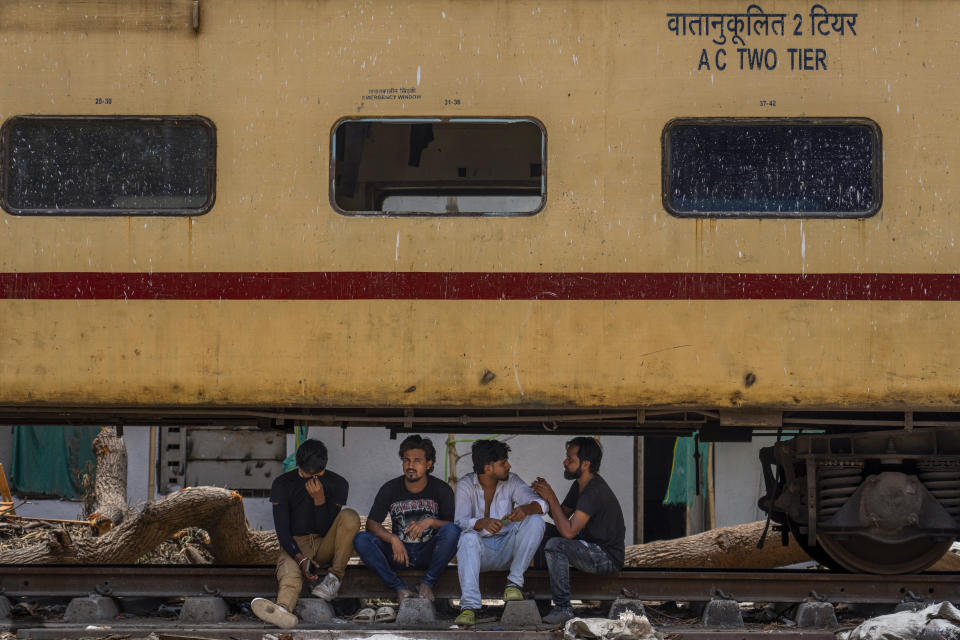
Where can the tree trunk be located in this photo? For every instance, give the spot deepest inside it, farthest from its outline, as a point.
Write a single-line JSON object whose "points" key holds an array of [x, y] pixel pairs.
{"points": [[733, 548], [110, 486], [724, 548], [218, 511]]}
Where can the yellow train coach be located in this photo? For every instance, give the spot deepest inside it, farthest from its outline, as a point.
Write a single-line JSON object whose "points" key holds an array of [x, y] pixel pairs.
{"points": [[606, 216]]}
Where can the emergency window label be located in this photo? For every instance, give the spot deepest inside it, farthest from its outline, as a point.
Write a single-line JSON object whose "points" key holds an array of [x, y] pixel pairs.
{"points": [[730, 32]]}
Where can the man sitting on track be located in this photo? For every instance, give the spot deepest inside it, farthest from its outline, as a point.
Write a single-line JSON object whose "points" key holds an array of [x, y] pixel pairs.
{"points": [[589, 532], [501, 522], [314, 532], [422, 535]]}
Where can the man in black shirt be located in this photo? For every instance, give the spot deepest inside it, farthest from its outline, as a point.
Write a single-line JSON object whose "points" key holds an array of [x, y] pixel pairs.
{"points": [[422, 534], [589, 530], [314, 532]]}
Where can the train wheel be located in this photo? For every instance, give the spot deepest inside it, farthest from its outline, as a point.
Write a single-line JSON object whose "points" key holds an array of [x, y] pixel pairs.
{"points": [[865, 555], [815, 552]]}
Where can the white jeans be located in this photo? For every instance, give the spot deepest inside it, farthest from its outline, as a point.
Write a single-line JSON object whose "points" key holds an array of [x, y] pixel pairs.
{"points": [[511, 550]]}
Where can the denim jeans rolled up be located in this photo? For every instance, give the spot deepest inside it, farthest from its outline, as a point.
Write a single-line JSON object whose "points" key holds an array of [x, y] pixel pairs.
{"points": [[562, 553], [433, 555], [511, 550]]}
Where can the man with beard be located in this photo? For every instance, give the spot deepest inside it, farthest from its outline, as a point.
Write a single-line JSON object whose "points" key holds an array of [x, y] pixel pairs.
{"points": [[501, 522], [314, 531], [589, 532], [422, 534]]}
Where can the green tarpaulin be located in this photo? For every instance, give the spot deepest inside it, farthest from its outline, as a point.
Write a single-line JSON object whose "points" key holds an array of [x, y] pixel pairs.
{"points": [[290, 462], [49, 461], [683, 478]]}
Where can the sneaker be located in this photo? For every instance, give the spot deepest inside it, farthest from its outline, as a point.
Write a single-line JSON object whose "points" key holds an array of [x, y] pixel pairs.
{"points": [[275, 614], [328, 588], [512, 592], [467, 618], [558, 616]]}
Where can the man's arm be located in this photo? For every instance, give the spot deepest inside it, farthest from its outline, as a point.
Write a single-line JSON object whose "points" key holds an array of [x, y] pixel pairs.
{"points": [[526, 497], [567, 525], [569, 528], [463, 508], [326, 507], [281, 523], [378, 512], [445, 511], [374, 525], [399, 549], [446, 507]]}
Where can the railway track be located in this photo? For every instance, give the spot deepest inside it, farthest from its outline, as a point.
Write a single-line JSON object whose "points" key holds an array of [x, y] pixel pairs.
{"points": [[129, 583], [687, 585]]}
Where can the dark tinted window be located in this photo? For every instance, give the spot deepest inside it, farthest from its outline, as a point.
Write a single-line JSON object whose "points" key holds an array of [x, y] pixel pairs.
{"points": [[421, 166], [108, 165], [772, 168]]}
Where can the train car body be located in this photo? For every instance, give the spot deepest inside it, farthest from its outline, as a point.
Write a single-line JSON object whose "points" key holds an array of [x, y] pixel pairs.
{"points": [[319, 258]]}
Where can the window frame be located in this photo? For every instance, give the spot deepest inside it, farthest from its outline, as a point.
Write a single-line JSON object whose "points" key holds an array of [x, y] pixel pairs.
{"points": [[124, 120], [434, 120], [876, 161]]}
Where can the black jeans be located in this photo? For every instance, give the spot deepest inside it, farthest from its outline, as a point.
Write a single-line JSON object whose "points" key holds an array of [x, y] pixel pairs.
{"points": [[559, 554]]}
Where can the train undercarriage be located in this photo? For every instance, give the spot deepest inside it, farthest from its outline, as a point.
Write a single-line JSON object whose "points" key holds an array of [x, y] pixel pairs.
{"points": [[883, 502], [868, 492]]}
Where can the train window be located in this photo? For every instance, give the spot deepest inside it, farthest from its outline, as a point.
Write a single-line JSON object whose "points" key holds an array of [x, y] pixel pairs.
{"points": [[772, 167], [438, 167], [96, 165]]}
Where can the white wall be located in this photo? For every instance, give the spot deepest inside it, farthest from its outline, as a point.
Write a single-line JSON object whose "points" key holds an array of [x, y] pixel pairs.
{"points": [[739, 481], [370, 458]]}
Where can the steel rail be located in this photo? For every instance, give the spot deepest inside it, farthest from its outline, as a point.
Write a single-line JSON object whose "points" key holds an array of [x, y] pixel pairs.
{"points": [[684, 585]]}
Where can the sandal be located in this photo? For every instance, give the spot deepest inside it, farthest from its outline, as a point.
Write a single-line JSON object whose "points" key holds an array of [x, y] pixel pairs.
{"points": [[385, 614], [365, 616]]}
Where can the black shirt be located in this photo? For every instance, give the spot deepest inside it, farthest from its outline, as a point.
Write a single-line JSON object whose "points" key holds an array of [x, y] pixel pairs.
{"points": [[434, 501], [605, 527], [294, 513]]}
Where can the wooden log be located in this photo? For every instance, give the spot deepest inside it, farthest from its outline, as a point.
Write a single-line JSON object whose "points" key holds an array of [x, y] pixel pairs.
{"points": [[217, 511], [110, 486], [724, 548], [193, 556]]}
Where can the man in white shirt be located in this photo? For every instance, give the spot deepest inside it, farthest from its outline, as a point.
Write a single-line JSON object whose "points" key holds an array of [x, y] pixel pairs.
{"points": [[501, 522]]}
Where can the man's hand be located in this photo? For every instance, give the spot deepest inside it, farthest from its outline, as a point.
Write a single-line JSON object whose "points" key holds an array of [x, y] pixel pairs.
{"points": [[490, 524], [543, 489], [306, 568], [315, 489], [518, 514], [418, 528], [399, 551]]}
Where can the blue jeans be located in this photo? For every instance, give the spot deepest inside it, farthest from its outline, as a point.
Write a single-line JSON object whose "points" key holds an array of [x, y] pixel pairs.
{"points": [[433, 555], [510, 550], [561, 553]]}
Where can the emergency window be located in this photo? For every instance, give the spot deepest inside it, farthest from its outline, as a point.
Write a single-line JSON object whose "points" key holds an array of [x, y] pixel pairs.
{"points": [[772, 168], [424, 166], [80, 165]]}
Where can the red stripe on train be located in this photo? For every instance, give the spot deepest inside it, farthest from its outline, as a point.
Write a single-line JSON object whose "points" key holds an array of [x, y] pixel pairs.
{"points": [[386, 285]]}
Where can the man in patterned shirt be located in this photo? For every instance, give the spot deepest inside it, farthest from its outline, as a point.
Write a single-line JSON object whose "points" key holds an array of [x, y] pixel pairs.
{"points": [[422, 533]]}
